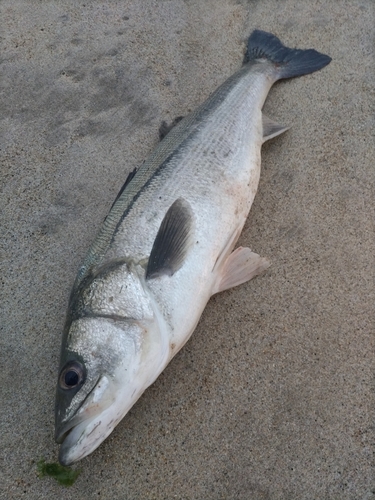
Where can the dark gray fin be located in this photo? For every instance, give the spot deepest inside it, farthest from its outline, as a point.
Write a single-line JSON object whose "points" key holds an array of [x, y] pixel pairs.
{"points": [[172, 241], [289, 62], [164, 128], [128, 179], [271, 129]]}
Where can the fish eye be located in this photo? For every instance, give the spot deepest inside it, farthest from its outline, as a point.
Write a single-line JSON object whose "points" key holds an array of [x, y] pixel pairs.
{"points": [[71, 375]]}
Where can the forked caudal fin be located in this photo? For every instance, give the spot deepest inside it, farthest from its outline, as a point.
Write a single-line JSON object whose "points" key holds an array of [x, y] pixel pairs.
{"points": [[289, 62]]}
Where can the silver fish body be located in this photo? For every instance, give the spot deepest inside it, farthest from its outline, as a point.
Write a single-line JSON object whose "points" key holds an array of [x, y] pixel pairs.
{"points": [[165, 248]]}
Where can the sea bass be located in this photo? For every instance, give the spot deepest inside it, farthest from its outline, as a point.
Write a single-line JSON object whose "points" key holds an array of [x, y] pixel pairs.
{"points": [[166, 247]]}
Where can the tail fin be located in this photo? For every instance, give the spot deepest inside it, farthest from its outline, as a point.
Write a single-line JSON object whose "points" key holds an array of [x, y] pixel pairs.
{"points": [[289, 62]]}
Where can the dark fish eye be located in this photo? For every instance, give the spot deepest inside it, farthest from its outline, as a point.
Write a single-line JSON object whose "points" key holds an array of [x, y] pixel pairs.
{"points": [[71, 375]]}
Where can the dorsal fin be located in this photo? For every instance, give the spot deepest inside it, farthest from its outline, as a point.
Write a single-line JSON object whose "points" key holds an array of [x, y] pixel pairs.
{"points": [[172, 241], [164, 128], [128, 179]]}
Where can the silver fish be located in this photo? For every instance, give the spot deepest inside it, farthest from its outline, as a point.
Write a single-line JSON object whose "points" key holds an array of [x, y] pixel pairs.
{"points": [[166, 247]]}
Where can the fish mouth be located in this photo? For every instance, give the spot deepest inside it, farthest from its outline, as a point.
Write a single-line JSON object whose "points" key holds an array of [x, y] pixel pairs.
{"points": [[59, 438], [76, 442], [69, 427], [84, 431], [82, 439], [80, 416]]}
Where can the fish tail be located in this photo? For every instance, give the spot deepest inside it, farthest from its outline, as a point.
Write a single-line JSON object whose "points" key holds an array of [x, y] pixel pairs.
{"points": [[288, 62]]}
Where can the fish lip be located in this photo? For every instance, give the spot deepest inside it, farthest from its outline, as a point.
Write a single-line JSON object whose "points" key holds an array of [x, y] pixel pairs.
{"points": [[75, 422], [64, 453], [59, 438], [65, 456], [62, 433]]}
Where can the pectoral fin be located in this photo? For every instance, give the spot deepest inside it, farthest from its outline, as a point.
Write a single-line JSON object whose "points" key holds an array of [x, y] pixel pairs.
{"points": [[172, 241], [242, 265], [271, 129]]}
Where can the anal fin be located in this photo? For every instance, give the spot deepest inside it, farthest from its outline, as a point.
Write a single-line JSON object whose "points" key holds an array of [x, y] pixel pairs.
{"points": [[240, 266], [271, 128]]}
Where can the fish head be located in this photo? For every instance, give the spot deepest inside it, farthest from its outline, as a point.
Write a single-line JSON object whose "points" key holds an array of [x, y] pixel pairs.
{"points": [[105, 367]]}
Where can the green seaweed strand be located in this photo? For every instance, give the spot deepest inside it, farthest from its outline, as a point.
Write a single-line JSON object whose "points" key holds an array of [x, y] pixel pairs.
{"points": [[64, 475]]}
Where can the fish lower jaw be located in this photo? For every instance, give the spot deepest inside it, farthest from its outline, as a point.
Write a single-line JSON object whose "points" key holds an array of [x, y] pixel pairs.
{"points": [[72, 447], [82, 439]]}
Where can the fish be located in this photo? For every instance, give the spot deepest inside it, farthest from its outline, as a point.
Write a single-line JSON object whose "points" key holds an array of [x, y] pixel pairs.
{"points": [[166, 246]]}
